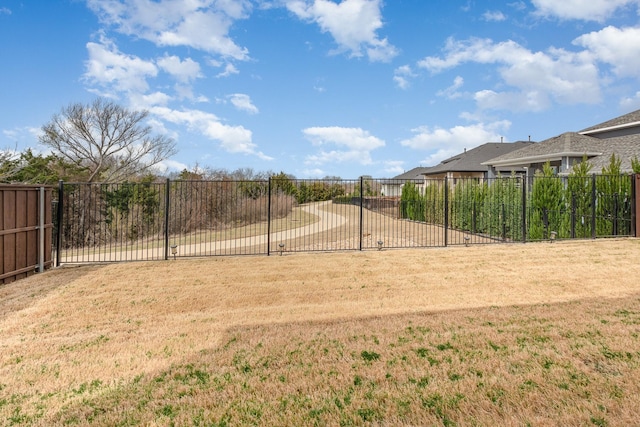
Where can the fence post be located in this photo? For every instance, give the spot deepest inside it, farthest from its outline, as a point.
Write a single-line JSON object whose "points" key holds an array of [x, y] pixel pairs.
{"points": [[59, 220], [41, 230], [525, 184], [446, 211], [573, 216], [166, 219], [361, 211], [269, 217], [615, 214], [503, 211], [473, 217], [593, 206], [635, 205]]}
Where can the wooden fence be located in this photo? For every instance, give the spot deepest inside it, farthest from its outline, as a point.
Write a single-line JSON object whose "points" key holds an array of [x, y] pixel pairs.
{"points": [[26, 226]]}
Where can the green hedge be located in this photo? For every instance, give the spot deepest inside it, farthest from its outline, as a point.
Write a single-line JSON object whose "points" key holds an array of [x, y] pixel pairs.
{"points": [[495, 208]]}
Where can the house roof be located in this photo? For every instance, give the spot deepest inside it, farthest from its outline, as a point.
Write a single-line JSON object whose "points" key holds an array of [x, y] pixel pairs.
{"points": [[415, 173], [626, 121], [473, 160], [625, 148], [570, 144]]}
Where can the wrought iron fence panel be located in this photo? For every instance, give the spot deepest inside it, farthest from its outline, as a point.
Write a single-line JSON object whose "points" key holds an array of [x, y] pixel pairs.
{"points": [[579, 207], [486, 210], [613, 205], [315, 215], [421, 213], [387, 224], [111, 222], [161, 220], [209, 218]]}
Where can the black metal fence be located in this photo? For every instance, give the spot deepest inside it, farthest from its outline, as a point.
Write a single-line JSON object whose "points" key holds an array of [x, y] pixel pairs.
{"points": [[161, 220]]}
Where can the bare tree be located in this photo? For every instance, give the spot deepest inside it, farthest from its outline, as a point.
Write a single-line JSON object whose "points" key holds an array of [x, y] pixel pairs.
{"points": [[110, 141]]}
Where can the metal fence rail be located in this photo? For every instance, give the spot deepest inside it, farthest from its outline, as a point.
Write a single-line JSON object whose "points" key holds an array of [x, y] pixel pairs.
{"points": [[162, 220]]}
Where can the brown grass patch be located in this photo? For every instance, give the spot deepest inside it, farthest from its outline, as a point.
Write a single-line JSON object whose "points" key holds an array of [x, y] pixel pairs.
{"points": [[545, 334]]}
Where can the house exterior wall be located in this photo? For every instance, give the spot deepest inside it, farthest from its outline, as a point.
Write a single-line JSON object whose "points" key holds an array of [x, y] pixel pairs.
{"points": [[392, 190], [456, 175], [534, 167]]}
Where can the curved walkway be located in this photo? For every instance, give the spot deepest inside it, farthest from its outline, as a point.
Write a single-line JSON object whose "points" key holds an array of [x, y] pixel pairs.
{"points": [[327, 221], [253, 244]]}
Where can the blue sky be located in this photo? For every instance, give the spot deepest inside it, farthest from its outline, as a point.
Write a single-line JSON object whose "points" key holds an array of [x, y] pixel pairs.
{"points": [[320, 88]]}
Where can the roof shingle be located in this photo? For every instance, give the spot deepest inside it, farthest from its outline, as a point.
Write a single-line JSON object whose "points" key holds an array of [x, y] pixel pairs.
{"points": [[472, 160], [569, 142], [632, 117]]}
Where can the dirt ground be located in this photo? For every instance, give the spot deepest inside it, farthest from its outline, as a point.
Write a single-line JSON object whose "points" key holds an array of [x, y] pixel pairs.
{"points": [[112, 322]]}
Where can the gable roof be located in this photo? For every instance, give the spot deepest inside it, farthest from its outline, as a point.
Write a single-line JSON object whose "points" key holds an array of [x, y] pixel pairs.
{"points": [[415, 173], [625, 148], [570, 144], [631, 119], [474, 160]]}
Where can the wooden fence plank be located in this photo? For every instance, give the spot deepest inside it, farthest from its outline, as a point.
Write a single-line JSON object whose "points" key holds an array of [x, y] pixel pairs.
{"points": [[9, 247], [19, 231], [2, 269], [21, 218]]}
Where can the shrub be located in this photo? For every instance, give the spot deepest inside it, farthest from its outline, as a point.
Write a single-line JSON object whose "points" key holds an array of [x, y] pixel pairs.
{"points": [[546, 204]]}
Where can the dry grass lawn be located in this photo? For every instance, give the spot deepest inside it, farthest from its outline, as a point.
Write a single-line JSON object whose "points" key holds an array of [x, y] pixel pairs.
{"points": [[533, 334]]}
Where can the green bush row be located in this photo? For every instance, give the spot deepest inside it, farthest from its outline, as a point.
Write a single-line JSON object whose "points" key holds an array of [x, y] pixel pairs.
{"points": [[507, 207]]}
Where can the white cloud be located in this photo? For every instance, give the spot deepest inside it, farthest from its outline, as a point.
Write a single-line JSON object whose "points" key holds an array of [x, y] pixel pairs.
{"points": [[354, 145], [16, 140], [10, 133], [587, 10], [169, 166], [452, 91], [618, 47], [394, 167], [243, 103], [184, 71], [518, 5], [116, 72], [229, 69], [532, 100], [111, 69], [313, 173], [538, 77], [144, 102], [444, 143], [233, 139], [199, 24], [22, 133], [5, 11], [402, 76], [353, 24], [631, 102], [494, 16], [159, 128]]}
